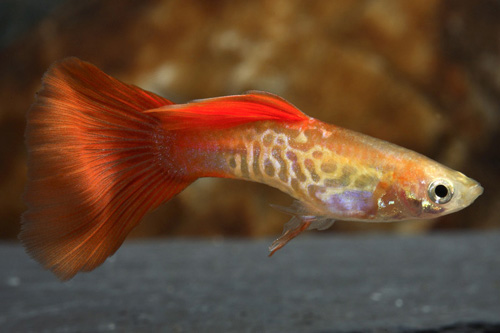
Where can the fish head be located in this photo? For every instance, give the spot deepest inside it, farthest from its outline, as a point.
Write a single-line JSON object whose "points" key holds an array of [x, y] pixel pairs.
{"points": [[428, 190], [448, 192]]}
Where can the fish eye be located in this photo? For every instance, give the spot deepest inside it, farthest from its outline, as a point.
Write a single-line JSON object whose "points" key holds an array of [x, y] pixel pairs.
{"points": [[440, 191]]}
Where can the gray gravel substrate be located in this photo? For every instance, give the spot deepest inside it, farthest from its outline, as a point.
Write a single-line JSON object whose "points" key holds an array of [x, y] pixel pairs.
{"points": [[317, 283]]}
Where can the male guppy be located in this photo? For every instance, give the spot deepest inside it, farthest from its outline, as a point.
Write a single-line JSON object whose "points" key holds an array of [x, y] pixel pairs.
{"points": [[102, 153]]}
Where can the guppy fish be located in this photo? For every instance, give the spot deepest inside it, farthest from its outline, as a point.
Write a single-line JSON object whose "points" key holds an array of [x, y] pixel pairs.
{"points": [[102, 153]]}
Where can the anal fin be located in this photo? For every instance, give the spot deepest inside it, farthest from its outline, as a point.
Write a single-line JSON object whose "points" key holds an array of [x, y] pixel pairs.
{"points": [[298, 223], [292, 229]]}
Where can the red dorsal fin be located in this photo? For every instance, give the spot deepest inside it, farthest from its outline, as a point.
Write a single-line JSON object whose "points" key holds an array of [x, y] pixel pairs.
{"points": [[220, 112]]}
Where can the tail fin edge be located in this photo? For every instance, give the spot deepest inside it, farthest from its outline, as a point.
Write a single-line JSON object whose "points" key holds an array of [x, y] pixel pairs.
{"points": [[93, 169]]}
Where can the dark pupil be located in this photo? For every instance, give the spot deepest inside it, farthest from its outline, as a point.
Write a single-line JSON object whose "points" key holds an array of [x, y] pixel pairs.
{"points": [[441, 191]]}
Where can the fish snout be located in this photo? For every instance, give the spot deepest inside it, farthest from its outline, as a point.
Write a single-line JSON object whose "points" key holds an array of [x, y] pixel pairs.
{"points": [[474, 192]]}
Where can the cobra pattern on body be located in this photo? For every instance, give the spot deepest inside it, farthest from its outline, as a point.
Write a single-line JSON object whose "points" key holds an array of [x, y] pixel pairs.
{"points": [[294, 162]]}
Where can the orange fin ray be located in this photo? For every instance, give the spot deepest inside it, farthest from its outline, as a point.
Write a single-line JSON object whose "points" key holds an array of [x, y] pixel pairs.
{"points": [[292, 229], [300, 222], [93, 169], [227, 111]]}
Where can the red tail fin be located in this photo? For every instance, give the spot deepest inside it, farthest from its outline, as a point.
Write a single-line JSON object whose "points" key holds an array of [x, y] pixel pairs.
{"points": [[92, 166]]}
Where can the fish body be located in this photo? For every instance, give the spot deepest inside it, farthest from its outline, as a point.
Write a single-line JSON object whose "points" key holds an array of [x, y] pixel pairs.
{"points": [[103, 153]]}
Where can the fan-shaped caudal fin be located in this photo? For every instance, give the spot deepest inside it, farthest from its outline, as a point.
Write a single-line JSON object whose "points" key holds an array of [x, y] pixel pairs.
{"points": [[92, 166]]}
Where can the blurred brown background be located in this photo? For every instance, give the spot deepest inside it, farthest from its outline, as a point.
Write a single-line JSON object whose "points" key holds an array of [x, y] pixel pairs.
{"points": [[421, 74]]}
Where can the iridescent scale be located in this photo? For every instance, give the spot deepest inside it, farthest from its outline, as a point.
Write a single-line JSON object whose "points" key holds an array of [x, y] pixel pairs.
{"points": [[305, 164]]}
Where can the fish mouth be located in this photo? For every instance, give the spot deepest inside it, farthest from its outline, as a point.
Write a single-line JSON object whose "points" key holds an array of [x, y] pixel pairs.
{"points": [[474, 192], [467, 195], [471, 193]]}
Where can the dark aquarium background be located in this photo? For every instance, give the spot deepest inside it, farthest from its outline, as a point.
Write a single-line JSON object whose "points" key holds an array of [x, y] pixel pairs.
{"points": [[422, 74]]}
